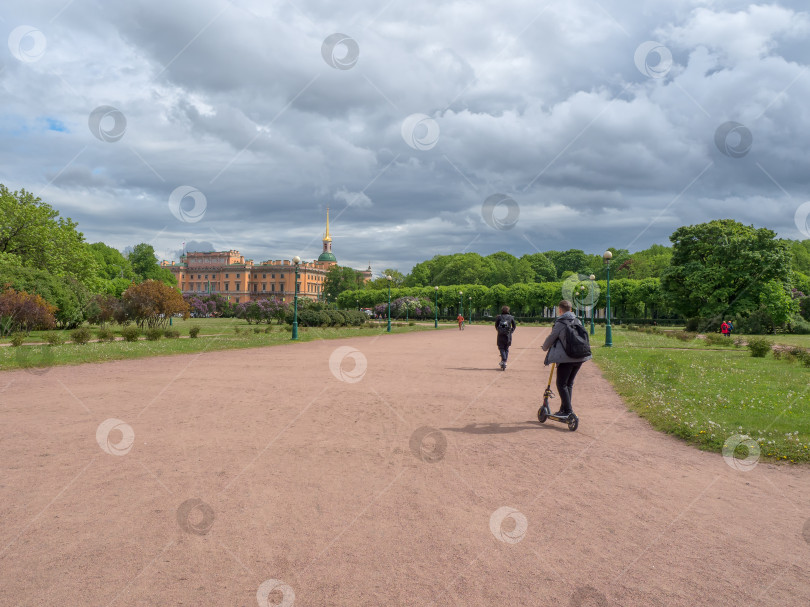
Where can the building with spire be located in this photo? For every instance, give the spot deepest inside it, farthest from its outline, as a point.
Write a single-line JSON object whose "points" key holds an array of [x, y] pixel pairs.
{"points": [[240, 280]]}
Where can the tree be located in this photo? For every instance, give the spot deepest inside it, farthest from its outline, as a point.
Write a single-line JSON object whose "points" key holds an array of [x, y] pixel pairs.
{"points": [[572, 260], [145, 265], [720, 268], [397, 278], [544, 270], [339, 279], [68, 296], [21, 311], [153, 303], [33, 232]]}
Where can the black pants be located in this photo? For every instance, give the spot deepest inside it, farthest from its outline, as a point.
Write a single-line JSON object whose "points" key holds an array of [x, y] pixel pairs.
{"points": [[503, 346], [566, 372]]}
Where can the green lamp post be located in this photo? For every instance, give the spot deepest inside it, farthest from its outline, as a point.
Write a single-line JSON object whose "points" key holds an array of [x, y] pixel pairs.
{"points": [[470, 308], [593, 329], [436, 308], [608, 332], [388, 278], [581, 295], [296, 261]]}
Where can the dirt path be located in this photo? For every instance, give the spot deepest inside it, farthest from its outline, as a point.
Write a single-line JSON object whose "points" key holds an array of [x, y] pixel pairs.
{"points": [[258, 474]]}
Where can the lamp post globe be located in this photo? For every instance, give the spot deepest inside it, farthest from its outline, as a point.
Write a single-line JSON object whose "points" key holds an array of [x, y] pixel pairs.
{"points": [[436, 308], [607, 256], [388, 278], [296, 260], [592, 277]]}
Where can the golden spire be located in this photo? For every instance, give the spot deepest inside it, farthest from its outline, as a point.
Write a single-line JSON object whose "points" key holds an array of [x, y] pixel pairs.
{"points": [[327, 238]]}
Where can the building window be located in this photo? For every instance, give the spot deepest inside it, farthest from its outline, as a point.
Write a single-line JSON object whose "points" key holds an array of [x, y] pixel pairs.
{"points": [[272, 288], [255, 286], [237, 300], [264, 275], [264, 287], [227, 275], [206, 277], [227, 286], [213, 276], [237, 275], [272, 275]]}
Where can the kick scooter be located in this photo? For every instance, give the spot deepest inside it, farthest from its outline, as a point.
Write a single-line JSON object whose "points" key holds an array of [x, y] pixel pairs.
{"points": [[544, 413]]}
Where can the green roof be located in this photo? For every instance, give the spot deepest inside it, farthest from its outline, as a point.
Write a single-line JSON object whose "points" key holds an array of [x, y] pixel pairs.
{"points": [[327, 257]]}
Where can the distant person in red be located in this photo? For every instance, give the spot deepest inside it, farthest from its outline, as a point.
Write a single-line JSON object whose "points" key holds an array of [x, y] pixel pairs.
{"points": [[460, 320], [724, 329]]}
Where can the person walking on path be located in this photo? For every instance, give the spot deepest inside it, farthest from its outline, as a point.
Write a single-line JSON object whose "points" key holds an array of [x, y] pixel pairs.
{"points": [[505, 325], [460, 320], [724, 328], [567, 366]]}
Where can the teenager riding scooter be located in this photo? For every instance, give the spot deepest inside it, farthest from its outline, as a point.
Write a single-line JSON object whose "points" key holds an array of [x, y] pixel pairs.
{"points": [[568, 349]]}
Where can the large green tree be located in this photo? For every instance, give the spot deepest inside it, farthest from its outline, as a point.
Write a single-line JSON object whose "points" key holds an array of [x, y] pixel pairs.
{"points": [[544, 270], [33, 233], [145, 264], [339, 279], [720, 268]]}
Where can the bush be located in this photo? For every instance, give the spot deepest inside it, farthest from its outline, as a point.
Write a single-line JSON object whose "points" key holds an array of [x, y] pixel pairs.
{"points": [[692, 324], [759, 346], [193, 332], [131, 333], [105, 335], [171, 334], [237, 330], [800, 326], [17, 338], [26, 311], [154, 334], [268, 329], [257, 329], [81, 335], [54, 339], [684, 335], [717, 340]]}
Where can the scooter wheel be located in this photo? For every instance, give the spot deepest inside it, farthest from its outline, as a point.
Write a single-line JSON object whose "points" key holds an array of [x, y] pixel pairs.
{"points": [[542, 414], [573, 423]]}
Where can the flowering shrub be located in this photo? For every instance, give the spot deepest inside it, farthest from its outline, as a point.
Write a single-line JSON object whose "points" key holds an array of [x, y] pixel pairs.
{"points": [[22, 311]]}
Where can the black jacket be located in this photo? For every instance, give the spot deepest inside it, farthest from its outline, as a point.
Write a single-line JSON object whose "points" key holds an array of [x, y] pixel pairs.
{"points": [[505, 340]]}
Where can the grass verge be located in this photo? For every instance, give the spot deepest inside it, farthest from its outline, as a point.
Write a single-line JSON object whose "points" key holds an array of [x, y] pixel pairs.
{"points": [[705, 396], [38, 358]]}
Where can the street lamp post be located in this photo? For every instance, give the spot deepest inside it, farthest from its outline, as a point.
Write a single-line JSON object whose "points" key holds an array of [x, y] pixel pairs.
{"points": [[436, 308], [608, 331], [593, 329], [388, 277], [470, 308], [460, 307], [296, 261], [581, 295]]}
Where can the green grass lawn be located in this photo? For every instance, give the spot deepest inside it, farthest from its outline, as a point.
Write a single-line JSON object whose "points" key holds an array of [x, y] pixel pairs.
{"points": [[705, 394], [215, 334]]}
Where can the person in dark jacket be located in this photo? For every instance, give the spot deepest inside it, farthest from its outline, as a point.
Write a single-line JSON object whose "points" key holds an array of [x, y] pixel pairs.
{"points": [[504, 335], [567, 367]]}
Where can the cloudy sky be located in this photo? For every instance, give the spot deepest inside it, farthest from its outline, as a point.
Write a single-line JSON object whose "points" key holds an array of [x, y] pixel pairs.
{"points": [[427, 127]]}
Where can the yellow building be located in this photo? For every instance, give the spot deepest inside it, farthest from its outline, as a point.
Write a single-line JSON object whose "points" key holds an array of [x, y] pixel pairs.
{"points": [[238, 279]]}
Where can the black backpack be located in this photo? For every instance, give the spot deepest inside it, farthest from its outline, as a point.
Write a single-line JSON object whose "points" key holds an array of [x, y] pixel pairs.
{"points": [[575, 340], [504, 325]]}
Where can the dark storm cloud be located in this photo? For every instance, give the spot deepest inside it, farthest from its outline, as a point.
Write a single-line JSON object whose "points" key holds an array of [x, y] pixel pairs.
{"points": [[544, 104]]}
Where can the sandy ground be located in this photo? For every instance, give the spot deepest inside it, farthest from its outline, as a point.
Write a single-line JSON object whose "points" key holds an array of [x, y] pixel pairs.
{"points": [[406, 471]]}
